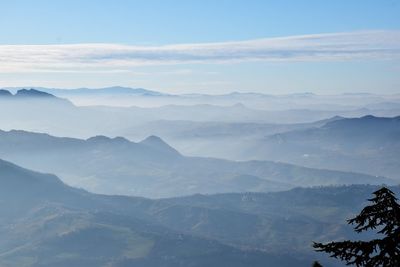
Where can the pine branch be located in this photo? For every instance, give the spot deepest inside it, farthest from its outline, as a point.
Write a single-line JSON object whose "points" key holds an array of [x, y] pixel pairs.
{"points": [[384, 214]]}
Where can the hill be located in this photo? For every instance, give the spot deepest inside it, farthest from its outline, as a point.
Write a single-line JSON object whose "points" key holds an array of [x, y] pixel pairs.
{"points": [[57, 116], [46, 223], [152, 168], [30, 95], [368, 144]]}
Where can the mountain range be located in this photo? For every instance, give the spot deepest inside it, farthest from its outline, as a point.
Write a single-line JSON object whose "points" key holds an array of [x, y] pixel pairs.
{"points": [[240, 179], [47, 223], [126, 96], [234, 133], [152, 168], [368, 144], [204, 138], [58, 116], [28, 94]]}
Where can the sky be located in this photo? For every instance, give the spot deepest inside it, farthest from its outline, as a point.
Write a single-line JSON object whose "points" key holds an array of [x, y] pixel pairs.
{"points": [[184, 46]]}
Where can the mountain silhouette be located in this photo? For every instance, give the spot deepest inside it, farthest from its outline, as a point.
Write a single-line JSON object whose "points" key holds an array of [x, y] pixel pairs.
{"points": [[153, 168], [57, 225]]}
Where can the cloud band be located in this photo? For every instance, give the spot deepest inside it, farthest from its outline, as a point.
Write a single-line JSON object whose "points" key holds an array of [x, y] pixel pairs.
{"points": [[368, 45]]}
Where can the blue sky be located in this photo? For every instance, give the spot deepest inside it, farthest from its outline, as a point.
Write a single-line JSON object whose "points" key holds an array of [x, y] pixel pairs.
{"points": [[203, 46]]}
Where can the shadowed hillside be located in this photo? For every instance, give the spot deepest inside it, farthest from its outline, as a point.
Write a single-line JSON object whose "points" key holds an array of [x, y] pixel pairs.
{"points": [[154, 169]]}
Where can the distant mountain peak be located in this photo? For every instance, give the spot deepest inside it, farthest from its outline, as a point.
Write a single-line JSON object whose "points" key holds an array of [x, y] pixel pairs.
{"points": [[101, 139], [375, 118], [18, 178], [105, 91], [153, 139], [334, 118], [121, 139], [98, 138], [365, 119], [154, 143], [157, 143], [329, 120], [5, 93], [33, 93], [369, 117], [126, 90]]}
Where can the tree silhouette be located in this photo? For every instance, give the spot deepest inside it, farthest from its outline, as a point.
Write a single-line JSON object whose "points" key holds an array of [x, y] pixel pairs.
{"points": [[316, 264], [384, 217]]}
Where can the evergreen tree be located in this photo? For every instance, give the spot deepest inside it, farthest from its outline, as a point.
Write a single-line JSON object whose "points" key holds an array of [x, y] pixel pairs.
{"points": [[316, 264], [384, 216]]}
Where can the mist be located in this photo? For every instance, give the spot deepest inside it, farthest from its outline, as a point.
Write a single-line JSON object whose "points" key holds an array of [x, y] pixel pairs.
{"points": [[199, 133]]}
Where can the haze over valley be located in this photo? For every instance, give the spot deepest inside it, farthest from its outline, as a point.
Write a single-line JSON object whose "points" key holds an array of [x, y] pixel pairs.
{"points": [[199, 133], [253, 176]]}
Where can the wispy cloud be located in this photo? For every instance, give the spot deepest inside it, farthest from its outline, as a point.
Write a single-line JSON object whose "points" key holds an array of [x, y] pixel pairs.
{"points": [[375, 45]]}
